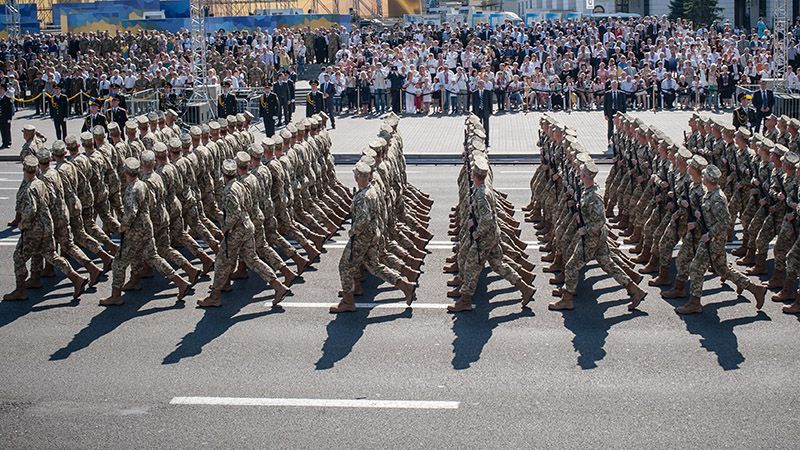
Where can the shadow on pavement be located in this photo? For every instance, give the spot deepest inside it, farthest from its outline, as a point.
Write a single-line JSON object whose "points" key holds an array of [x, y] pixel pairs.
{"points": [[473, 329], [345, 330], [216, 321], [11, 311]]}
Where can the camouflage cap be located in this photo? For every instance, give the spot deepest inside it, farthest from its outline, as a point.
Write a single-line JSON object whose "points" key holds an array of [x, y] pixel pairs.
{"points": [[285, 133], [362, 169], [185, 139], [174, 144], [278, 140], [71, 140], [132, 166], [30, 163], [712, 173], [142, 120], [589, 169], [368, 160], [152, 116], [213, 126], [86, 137], [744, 132], [242, 160], [248, 115], [300, 126], [113, 128], [29, 127], [254, 151], [291, 128], [131, 125], [369, 152], [98, 131], [794, 123], [378, 143], [195, 131], [59, 148], [698, 162], [229, 167], [205, 129], [148, 157], [268, 143], [791, 158], [583, 157], [232, 120], [240, 118], [160, 149], [779, 149], [222, 122], [44, 155], [480, 166]]}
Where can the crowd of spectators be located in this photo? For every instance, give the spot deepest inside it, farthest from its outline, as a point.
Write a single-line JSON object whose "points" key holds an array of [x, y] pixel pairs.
{"points": [[418, 69]]}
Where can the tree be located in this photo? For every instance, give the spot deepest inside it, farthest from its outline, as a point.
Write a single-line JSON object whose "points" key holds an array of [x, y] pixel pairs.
{"points": [[676, 9], [702, 12]]}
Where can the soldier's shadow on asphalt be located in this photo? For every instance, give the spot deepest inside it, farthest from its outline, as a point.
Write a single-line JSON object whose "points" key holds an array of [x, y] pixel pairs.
{"points": [[718, 336], [216, 321], [11, 311], [474, 329], [588, 322], [345, 330], [112, 317]]}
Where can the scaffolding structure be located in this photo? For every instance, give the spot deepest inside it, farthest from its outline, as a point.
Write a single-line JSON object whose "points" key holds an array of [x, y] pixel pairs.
{"points": [[200, 92], [12, 20], [780, 42]]}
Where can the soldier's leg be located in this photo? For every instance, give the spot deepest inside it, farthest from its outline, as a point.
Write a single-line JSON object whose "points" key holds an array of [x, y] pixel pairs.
{"points": [[470, 271], [786, 237], [253, 262], [165, 250], [348, 269], [22, 253], [499, 266], [686, 254], [94, 230], [192, 220], [103, 210], [150, 256], [211, 208]]}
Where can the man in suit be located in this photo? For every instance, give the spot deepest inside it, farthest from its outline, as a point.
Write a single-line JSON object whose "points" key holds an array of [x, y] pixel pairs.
{"points": [[613, 102], [94, 118], [763, 102], [284, 90], [116, 113], [482, 106], [6, 114], [328, 91], [59, 110], [269, 109], [315, 102], [226, 102]]}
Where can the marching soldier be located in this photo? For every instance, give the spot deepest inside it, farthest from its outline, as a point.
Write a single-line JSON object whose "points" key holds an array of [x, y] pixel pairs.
{"points": [[137, 241], [36, 234]]}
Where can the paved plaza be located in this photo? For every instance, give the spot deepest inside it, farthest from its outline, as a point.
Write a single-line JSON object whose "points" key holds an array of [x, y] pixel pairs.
{"points": [[510, 134], [153, 373]]}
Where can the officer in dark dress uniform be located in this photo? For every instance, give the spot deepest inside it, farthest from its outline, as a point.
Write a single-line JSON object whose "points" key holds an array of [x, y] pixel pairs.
{"points": [[59, 110], [94, 118], [116, 113], [269, 109], [226, 102]]}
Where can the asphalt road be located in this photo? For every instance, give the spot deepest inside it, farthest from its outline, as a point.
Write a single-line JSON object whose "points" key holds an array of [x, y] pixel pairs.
{"points": [[76, 375]]}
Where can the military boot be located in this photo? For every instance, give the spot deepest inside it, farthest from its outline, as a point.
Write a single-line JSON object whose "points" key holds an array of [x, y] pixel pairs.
{"points": [[564, 304], [19, 293], [450, 268], [632, 274], [288, 275], [556, 266], [678, 291], [759, 291], [637, 295], [527, 276], [454, 282], [634, 237], [663, 278], [644, 255], [94, 273], [652, 266], [347, 304], [183, 286], [280, 291], [527, 292], [214, 299], [192, 273], [794, 308], [693, 306], [78, 282], [787, 292], [408, 288], [34, 281], [208, 263], [760, 267], [463, 304], [550, 257], [113, 249], [558, 279], [748, 259], [454, 293], [410, 273], [47, 271], [107, 260], [777, 280], [114, 300]]}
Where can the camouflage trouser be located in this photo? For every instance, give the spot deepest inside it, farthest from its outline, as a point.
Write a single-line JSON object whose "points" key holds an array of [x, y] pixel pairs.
{"points": [[210, 207], [63, 237], [36, 242], [663, 223], [713, 254], [667, 243], [786, 238], [275, 239], [793, 259], [287, 226], [191, 218], [103, 211], [639, 216], [735, 205], [689, 246], [115, 203], [239, 244], [363, 252], [80, 235], [768, 231], [473, 265], [751, 206], [179, 236], [587, 249], [264, 250], [758, 222], [133, 252], [93, 229]]}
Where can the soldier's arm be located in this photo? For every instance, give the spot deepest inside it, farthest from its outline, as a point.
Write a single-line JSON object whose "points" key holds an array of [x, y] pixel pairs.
{"points": [[594, 217], [723, 218], [484, 215], [132, 204], [360, 216], [233, 210], [28, 206]]}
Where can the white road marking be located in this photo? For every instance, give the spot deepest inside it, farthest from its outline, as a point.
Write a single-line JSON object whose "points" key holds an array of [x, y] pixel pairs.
{"points": [[393, 305], [512, 188], [518, 171], [314, 402], [9, 189]]}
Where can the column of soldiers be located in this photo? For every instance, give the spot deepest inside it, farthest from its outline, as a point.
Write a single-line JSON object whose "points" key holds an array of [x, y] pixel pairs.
{"points": [[665, 193], [570, 217], [161, 189], [389, 221], [485, 228]]}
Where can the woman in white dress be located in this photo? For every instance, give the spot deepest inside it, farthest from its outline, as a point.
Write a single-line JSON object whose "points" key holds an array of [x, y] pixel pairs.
{"points": [[410, 91]]}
